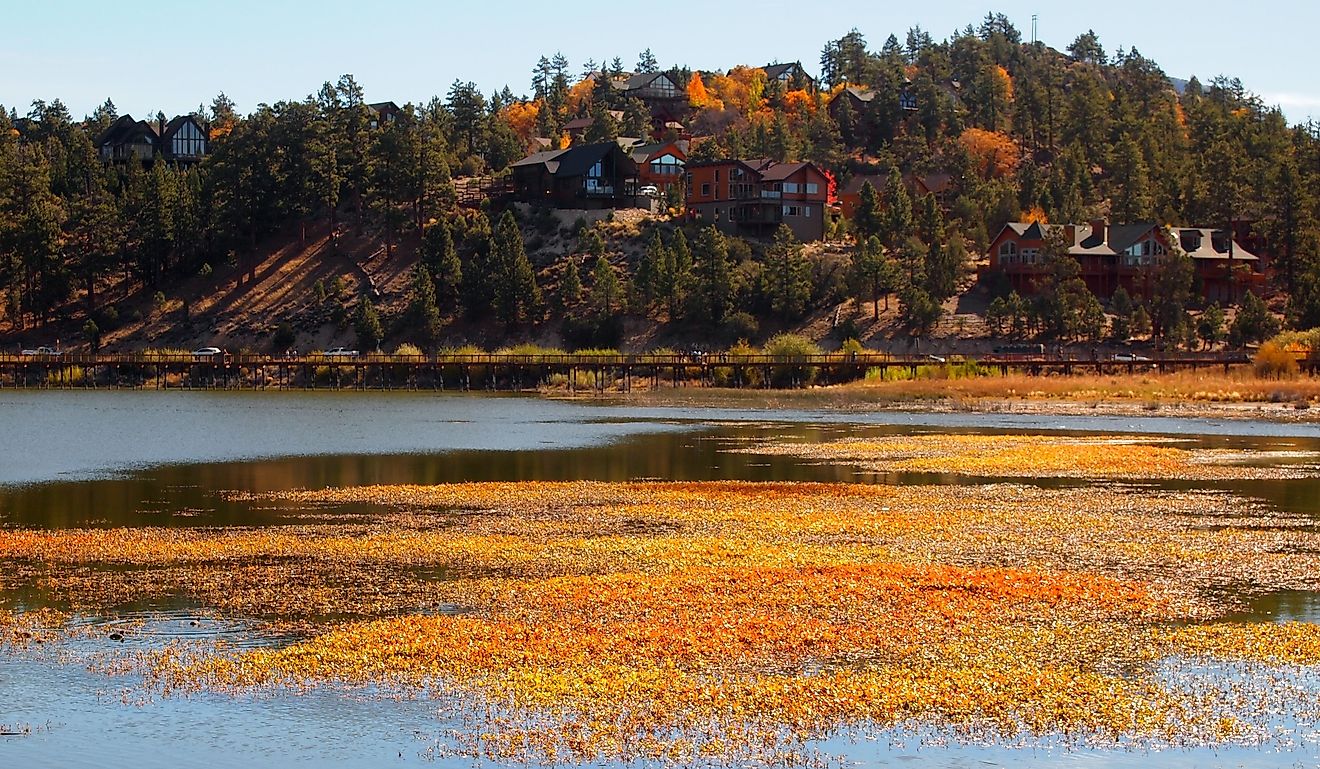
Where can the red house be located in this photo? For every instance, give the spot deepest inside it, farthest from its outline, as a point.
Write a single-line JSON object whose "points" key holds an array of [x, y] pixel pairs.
{"points": [[753, 197], [1127, 255], [660, 165]]}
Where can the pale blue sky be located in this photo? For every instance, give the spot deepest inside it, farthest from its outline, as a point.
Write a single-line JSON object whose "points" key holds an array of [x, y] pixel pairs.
{"points": [[173, 56]]}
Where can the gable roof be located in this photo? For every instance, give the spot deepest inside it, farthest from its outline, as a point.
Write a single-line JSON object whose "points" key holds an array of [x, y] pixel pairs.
{"points": [[1097, 239], [865, 95], [638, 81], [179, 121], [774, 71], [126, 129], [574, 161]]}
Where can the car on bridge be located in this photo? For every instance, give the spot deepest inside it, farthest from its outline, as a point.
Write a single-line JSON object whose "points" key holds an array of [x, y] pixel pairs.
{"points": [[1127, 357], [340, 352], [42, 352]]}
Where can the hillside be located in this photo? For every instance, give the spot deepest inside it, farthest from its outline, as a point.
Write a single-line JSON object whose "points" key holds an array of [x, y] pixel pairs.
{"points": [[103, 212]]}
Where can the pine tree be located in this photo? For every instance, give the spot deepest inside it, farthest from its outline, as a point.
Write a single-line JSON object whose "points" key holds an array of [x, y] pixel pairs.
{"points": [[873, 274], [714, 290], [517, 297], [570, 283], [423, 312], [867, 222], [370, 333], [606, 293], [789, 275]]}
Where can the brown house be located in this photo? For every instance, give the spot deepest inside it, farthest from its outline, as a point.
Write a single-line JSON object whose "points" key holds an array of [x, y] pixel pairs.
{"points": [[753, 197], [1127, 256], [918, 186], [792, 76], [588, 176], [660, 165]]}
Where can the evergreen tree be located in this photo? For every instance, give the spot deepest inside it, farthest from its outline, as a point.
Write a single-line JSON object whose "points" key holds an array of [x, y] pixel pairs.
{"points": [[1253, 323], [1210, 326], [873, 274], [714, 291], [570, 283], [789, 275], [867, 222], [517, 297], [606, 293], [1120, 304], [370, 333], [423, 312]]}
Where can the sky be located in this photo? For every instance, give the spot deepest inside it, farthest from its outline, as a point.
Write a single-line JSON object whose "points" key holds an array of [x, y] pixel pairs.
{"points": [[172, 57]]}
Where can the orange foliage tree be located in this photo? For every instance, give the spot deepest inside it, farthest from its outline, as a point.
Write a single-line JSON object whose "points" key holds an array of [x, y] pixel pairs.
{"points": [[799, 104], [996, 155], [521, 117], [699, 97]]}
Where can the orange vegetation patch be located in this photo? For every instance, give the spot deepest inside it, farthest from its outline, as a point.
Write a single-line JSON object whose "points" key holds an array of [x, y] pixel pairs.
{"points": [[683, 621]]}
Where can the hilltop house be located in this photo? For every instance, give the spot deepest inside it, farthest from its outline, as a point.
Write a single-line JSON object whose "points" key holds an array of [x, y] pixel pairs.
{"points": [[383, 113], [588, 176], [665, 97], [753, 197], [660, 164], [792, 76], [181, 140], [918, 186], [859, 100], [1127, 255]]}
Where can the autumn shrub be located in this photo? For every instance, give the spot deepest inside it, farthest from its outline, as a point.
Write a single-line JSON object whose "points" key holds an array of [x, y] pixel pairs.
{"points": [[1273, 361], [408, 350]]}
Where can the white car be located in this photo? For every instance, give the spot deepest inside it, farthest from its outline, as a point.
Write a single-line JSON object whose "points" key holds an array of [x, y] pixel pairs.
{"points": [[650, 191], [341, 352], [205, 352], [1127, 357], [44, 351]]}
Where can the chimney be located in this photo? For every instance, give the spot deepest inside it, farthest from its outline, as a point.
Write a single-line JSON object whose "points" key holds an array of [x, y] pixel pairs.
{"points": [[1100, 228]]}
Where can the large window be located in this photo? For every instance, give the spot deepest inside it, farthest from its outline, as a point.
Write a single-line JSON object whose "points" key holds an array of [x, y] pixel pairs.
{"points": [[666, 165], [1008, 252], [812, 188]]}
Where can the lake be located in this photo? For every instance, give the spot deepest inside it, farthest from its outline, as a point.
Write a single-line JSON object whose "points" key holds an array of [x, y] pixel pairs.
{"points": [[73, 459]]}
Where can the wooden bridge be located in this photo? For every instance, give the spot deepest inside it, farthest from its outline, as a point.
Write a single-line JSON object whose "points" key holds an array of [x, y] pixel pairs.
{"points": [[571, 372]]}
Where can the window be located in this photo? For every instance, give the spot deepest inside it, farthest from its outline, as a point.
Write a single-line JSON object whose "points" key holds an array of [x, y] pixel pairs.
{"points": [[791, 187], [717, 176], [705, 190], [812, 188], [793, 211], [1029, 255], [1008, 252]]}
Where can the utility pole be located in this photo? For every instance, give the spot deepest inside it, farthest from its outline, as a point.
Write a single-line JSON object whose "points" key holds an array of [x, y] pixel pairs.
{"points": [[1034, 18]]}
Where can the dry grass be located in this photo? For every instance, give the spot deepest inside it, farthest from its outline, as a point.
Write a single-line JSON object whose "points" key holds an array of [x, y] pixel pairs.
{"points": [[1238, 386]]}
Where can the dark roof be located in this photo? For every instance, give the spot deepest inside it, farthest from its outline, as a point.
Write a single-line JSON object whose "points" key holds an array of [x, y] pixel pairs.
{"points": [[172, 127], [383, 106], [860, 94], [579, 123], [576, 161], [643, 152], [124, 130], [773, 71], [641, 80]]}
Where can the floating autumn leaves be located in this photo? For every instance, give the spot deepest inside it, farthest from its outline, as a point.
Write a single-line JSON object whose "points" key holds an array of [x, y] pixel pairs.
{"points": [[1039, 456], [715, 621]]}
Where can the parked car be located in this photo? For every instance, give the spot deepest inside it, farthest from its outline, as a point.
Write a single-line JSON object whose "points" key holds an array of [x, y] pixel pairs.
{"points": [[341, 352], [1127, 357], [650, 191], [206, 352], [49, 352]]}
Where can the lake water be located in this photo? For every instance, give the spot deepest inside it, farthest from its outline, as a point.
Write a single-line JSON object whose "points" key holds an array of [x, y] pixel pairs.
{"points": [[90, 459]]}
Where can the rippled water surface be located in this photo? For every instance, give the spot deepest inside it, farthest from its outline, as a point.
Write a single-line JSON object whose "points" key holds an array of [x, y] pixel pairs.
{"points": [[128, 459]]}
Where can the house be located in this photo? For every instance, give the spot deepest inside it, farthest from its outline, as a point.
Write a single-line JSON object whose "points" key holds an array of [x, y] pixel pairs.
{"points": [[588, 176], [860, 100], [664, 96], [1126, 255], [128, 139], [183, 140], [753, 197], [792, 76], [918, 186], [577, 127], [660, 165], [382, 113]]}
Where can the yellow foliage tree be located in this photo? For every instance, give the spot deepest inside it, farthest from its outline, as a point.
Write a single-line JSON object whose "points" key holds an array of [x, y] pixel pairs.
{"points": [[1005, 79], [799, 104]]}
